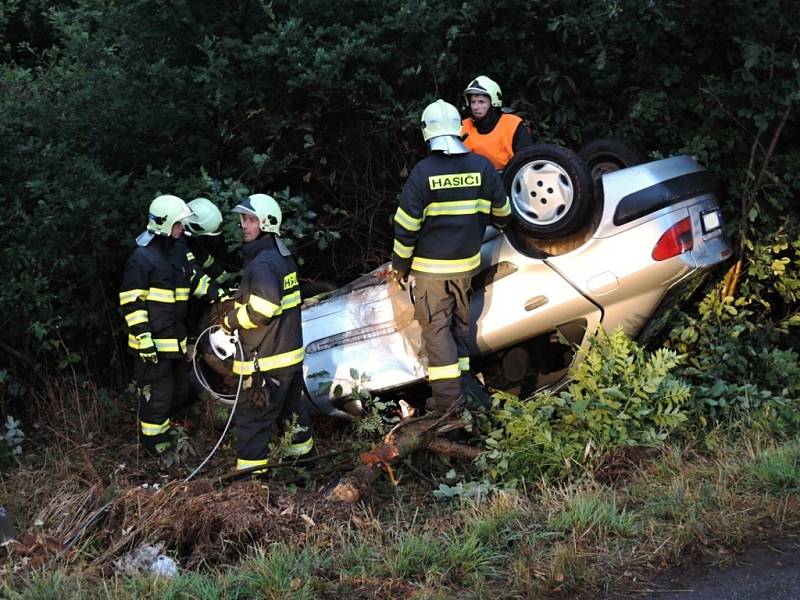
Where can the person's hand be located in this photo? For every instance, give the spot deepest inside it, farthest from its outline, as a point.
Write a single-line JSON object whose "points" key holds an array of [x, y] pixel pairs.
{"points": [[223, 295], [223, 343], [398, 277], [147, 350]]}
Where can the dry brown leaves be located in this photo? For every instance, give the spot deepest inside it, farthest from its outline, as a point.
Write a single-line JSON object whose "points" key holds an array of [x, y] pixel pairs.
{"points": [[621, 463], [202, 524], [33, 550]]}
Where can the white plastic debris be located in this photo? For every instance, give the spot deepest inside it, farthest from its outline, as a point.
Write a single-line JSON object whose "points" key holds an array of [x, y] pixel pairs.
{"points": [[147, 558], [164, 566]]}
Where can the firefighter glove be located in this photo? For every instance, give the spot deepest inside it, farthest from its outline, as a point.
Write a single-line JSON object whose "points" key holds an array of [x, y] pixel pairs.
{"points": [[219, 294], [225, 295], [146, 349], [398, 277], [223, 343]]}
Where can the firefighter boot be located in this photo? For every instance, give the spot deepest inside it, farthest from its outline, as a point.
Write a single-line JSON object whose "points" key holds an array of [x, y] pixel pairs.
{"points": [[433, 405], [477, 397], [157, 445]]}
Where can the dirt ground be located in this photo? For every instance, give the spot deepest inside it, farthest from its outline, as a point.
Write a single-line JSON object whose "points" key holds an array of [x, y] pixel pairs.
{"points": [[768, 570], [110, 490]]}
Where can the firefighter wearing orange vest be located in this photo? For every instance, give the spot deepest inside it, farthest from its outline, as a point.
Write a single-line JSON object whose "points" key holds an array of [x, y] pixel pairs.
{"points": [[489, 130]]}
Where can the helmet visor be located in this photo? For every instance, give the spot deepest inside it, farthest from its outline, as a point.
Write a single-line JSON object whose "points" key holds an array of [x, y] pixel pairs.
{"points": [[245, 207], [449, 144]]}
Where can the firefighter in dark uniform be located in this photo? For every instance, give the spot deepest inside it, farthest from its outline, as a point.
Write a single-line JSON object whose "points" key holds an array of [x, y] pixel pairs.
{"points": [[448, 200], [491, 130], [202, 230], [266, 321], [205, 223], [154, 293]]}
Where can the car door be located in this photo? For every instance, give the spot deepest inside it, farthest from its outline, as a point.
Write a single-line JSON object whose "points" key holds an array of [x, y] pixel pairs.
{"points": [[517, 297]]}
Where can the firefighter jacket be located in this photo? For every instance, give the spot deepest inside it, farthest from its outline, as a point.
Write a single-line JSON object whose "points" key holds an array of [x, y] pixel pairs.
{"points": [[444, 209], [198, 252], [155, 289], [497, 137], [266, 311], [206, 286]]}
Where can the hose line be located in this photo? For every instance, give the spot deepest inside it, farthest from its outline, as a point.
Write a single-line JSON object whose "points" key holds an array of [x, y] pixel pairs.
{"points": [[227, 399]]}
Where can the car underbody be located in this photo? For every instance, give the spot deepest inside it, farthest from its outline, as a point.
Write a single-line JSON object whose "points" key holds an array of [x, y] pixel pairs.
{"points": [[535, 302]]}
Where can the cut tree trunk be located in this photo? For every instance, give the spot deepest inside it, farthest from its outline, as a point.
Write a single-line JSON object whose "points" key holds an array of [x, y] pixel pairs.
{"points": [[401, 442], [410, 435]]}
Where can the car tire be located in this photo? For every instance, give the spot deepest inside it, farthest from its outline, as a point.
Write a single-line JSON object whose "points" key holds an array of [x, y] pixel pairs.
{"points": [[550, 189], [605, 155]]}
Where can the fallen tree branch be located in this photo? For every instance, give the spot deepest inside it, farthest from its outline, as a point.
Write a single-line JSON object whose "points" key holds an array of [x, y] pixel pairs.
{"points": [[454, 449], [417, 434]]}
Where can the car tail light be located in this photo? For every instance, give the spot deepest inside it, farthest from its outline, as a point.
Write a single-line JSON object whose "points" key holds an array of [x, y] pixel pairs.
{"points": [[674, 241]]}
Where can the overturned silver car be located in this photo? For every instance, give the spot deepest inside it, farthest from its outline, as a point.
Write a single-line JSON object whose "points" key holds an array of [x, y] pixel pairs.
{"points": [[581, 253]]}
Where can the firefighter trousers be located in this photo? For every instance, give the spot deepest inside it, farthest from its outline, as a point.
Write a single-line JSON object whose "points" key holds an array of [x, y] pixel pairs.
{"points": [[268, 400], [162, 388], [442, 308]]}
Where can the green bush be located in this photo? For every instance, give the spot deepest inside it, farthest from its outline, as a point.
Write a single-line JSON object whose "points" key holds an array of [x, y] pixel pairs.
{"points": [[738, 347], [620, 395], [107, 104]]}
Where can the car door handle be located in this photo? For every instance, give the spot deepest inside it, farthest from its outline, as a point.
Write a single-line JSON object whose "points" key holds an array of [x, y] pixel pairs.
{"points": [[536, 302]]}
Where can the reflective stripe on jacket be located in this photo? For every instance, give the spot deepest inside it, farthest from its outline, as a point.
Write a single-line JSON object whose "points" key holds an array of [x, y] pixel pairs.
{"points": [[201, 254], [444, 209], [155, 289], [498, 144], [266, 311]]}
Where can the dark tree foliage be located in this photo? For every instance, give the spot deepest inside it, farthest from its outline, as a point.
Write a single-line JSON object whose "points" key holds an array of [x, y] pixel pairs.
{"points": [[104, 104]]}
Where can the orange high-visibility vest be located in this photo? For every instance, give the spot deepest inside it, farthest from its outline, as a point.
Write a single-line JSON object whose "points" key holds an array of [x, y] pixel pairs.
{"points": [[497, 145]]}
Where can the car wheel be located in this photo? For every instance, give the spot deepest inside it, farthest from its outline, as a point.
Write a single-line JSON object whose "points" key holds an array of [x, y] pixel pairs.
{"points": [[605, 155], [550, 189]]}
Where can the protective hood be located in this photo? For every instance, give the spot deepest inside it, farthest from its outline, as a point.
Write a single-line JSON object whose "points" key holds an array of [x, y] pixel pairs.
{"points": [[144, 238], [282, 248], [488, 122], [449, 144]]}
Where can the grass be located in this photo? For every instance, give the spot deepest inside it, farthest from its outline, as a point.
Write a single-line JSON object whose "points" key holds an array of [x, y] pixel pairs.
{"points": [[776, 471], [594, 513], [577, 537], [278, 572]]}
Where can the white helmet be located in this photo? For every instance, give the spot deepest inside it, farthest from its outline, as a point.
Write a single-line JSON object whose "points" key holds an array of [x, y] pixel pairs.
{"points": [[265, 209], [207, 220], [484, 86], [164, 212], [441, 128]]}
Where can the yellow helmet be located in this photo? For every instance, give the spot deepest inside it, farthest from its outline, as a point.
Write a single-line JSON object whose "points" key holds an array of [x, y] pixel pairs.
{"points": [[441, 128], [164, 212]]}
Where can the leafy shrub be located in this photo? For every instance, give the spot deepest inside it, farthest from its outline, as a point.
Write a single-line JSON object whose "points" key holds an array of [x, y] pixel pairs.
{"points": [[733, 345], [620, 395], [100, 114]]}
